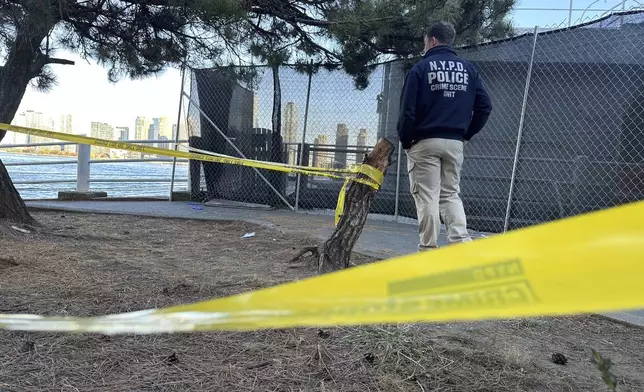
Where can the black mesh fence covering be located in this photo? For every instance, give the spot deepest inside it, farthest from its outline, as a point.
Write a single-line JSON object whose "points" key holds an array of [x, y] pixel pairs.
{"points": [[566, 135]]}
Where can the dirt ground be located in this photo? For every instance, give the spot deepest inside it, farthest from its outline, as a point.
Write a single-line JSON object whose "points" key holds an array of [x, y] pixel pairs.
{"points": [[86, 265]]}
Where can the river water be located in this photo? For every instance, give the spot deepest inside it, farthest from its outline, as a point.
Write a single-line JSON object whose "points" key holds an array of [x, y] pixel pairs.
{"points": [[109, 171]]}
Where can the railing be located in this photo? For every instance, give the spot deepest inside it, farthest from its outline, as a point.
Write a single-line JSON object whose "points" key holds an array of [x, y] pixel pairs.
{"points": [[540, 196], [83, 161]]}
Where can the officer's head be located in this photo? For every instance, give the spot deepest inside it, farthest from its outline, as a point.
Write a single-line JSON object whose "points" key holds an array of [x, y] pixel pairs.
{"points": [[439, 33]]}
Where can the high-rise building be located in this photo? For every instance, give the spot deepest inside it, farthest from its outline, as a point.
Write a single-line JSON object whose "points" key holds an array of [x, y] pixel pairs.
{"points": [[321, 158], [164, 128], [141, 127], [160, 129], [101, 131], [163, 145], [291, 123], [39, 120], [33, 119], [122, 133], [361, 143], [153, 133], [290, 127], [182, 128], [341, 142], [255, 111], [65, 125], [14, 137]]}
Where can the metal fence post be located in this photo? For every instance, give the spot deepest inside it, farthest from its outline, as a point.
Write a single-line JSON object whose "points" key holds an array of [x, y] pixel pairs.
{"points": [[82, 172], [189, 129], [306, 121], [506, 222], [397, 201], [176, 137]]}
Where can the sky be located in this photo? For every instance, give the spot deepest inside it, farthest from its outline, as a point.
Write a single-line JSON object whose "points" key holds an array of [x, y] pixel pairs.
{"points": [[84, 90]]}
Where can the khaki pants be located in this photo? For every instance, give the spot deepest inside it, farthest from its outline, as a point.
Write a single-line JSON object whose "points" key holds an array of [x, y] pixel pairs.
{"points": [[434, 175]]}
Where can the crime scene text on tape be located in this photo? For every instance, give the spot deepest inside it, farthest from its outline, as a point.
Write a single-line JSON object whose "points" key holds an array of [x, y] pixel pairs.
{"points": [[372, 176], [588, 263]]}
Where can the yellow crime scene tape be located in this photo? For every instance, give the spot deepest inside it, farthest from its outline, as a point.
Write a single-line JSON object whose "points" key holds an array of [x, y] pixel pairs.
{"points": [[584, 264], [589, 263], [339, 208], [372, 176]]}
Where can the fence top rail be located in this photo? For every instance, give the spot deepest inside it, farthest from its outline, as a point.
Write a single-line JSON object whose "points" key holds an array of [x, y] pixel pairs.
{"points": [[341, 150], [161, 141], [109, 160], [316, 145], [42, 163], [3, 146]]}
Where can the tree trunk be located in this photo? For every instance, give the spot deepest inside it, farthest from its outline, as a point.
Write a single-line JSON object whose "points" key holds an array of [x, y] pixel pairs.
{"points": [[15, 76], [12, 207], [276, 178], [336, 251], [277, 100]]}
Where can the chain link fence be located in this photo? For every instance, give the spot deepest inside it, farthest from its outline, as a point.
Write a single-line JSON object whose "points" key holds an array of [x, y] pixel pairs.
{"points": [[324, 122], [232, 118], [581, 147], [566, 135]]}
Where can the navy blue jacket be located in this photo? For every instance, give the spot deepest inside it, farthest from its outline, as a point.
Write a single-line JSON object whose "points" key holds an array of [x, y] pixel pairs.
{"points": [[443, 97]]}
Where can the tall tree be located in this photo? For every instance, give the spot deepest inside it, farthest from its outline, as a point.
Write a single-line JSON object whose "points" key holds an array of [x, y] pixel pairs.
{"points": [[132, 38], [137, 38]]}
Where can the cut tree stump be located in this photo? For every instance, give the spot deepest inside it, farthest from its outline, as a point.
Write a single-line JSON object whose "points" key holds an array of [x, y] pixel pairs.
{"points": [[335, 253]]}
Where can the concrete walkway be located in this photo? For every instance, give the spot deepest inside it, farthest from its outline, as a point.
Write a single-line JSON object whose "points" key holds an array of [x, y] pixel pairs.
{"points": [[380, 238]]}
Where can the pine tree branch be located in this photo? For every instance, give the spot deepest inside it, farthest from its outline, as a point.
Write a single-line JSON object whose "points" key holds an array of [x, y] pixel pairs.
{"points": [[42, 60], [53, 60]]}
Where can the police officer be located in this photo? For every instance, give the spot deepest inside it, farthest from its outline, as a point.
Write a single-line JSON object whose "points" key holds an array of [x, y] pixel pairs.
{"points": [[443, 105]]}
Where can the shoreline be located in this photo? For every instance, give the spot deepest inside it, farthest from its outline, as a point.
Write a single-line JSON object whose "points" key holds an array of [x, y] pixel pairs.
{"points": [[27, 154]]}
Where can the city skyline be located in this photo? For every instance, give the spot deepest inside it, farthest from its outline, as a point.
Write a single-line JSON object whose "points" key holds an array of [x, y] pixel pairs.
{"points": [[161, 127], [158, 128], [66, 124]]}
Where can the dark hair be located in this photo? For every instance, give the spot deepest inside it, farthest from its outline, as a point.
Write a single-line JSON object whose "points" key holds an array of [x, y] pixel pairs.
{"points": [[444, 32]]}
